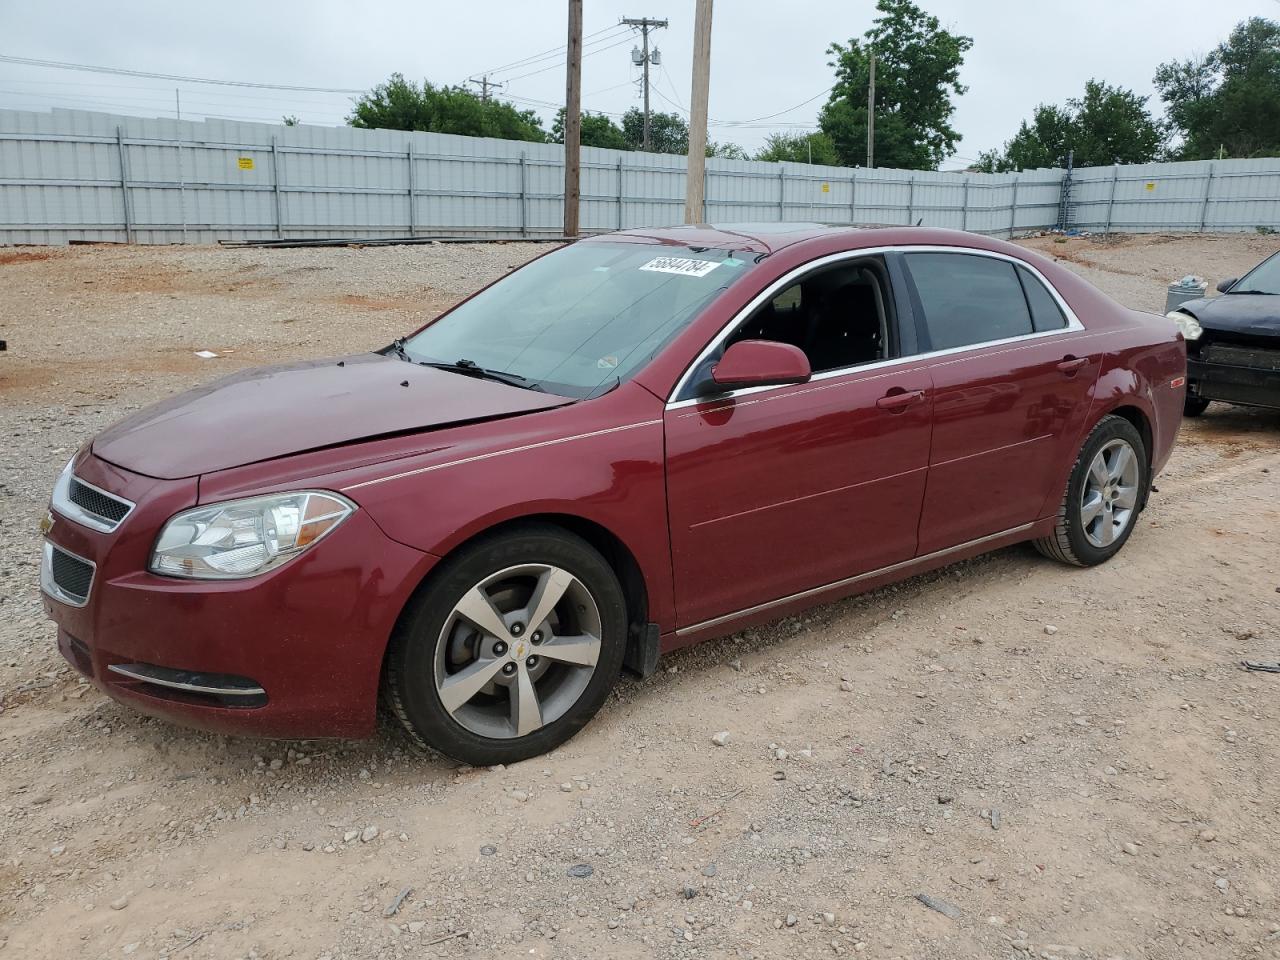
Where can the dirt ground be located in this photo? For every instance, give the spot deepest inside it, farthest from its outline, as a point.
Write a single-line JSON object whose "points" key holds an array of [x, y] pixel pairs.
{"points": [[1070, 761]]}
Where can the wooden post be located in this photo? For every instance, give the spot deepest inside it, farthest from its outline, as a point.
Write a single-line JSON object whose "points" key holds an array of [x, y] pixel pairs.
{"points": [[573, 120], [695, 182]]}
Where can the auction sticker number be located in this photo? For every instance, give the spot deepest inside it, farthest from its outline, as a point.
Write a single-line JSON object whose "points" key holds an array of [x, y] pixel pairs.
{"points": [[683, 266]]}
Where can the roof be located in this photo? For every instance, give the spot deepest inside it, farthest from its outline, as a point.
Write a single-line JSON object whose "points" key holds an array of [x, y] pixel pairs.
{"points": [[769, 238], [752, 237]]}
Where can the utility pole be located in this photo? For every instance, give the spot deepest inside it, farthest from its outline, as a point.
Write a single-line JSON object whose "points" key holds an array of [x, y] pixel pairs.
{"points": [[645, 24], [871, 115], [484, 83], [695, 184], [573, 119]]}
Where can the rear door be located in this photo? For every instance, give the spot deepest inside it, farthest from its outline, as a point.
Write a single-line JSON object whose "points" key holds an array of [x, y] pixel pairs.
{"points": [[774, 491], [1012, 371]]}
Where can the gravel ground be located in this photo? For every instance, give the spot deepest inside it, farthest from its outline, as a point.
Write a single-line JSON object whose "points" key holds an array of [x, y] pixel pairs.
{"points": [[1067, 763]]}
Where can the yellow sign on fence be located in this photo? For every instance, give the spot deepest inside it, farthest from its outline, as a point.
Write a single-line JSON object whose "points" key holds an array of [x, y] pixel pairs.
{"points": [[1151, 186], [826, 188], [245, 163]]}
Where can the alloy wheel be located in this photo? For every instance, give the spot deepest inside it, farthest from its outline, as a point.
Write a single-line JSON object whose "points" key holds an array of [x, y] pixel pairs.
{"points": [[1110, 495], [517, 651]]}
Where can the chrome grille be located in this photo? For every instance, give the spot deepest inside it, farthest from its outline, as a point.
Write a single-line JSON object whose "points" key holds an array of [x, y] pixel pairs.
{"points": [[65, 576], [94, 501], [88, 505]]}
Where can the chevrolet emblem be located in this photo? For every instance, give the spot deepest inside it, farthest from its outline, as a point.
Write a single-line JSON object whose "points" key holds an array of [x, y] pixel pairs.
{"points": [[46, 524]]}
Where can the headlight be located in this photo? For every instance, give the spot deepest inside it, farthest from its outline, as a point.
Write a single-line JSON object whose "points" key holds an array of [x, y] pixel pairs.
{"points": [[1188, 324], [243, 538]]}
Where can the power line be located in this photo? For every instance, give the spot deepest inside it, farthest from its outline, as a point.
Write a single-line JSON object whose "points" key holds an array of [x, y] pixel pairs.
{"points": [[561, 63], [743, 123], [120, 71], [254, 97], [554, 51]]}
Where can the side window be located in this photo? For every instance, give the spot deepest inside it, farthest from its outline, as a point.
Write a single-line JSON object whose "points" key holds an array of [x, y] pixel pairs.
{"points": [[1045, 312], [839, 316], [968, 299]]}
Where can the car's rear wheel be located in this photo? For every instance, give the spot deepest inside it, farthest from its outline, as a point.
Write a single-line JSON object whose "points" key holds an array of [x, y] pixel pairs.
{"points": [[1103, 496], [510, 648], [1194, 406]]}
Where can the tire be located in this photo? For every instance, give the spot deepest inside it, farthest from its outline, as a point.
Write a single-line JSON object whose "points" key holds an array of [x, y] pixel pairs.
{"points": [[1086, 538], [1194, 406], [439, 657]]}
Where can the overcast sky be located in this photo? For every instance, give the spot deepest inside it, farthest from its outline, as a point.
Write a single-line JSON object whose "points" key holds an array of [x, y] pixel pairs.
{"points": [[767, 55]]}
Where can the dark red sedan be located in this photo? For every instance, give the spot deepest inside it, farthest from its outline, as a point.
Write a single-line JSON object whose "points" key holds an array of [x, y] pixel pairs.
{"points": [[630, 444]]}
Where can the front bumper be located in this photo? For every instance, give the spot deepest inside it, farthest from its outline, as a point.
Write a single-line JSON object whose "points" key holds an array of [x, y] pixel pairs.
{"points": [[295, 652], [1233, 384]]}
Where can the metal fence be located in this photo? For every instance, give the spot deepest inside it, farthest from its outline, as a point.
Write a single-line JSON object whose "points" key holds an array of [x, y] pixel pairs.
{"points": [[73, 175], [1202, 195]]}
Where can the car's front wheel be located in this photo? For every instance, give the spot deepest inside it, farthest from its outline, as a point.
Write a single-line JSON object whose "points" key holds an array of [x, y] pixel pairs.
{"points": [[1194, 406], [1103, 496], [510, 648]]}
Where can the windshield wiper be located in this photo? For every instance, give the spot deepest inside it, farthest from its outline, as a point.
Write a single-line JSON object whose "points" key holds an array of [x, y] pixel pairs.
{"points": [[1265, 293], [472, 369], [397, 347]]}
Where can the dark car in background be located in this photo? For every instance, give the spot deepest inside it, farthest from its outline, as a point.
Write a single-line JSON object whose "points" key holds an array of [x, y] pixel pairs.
{"points": [[1233, 341]]}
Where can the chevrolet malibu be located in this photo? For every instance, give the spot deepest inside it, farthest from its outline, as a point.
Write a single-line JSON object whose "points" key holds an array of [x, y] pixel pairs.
{"points": [[630, 444]]}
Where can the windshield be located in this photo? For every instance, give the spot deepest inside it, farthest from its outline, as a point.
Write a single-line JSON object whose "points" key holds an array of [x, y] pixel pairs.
{"points": [[1264, 278], [581, 319]]}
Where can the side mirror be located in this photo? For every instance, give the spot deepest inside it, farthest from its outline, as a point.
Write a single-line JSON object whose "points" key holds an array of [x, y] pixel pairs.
{"points": [[760, 363], [1225, 285]]}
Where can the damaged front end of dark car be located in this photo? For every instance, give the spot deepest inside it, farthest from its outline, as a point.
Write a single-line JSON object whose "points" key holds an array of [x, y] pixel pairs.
{"points": [[1233, 341]]}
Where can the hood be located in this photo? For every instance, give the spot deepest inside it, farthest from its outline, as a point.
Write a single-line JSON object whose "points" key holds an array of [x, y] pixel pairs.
{"points": [[271, 412], [1256, 314]]}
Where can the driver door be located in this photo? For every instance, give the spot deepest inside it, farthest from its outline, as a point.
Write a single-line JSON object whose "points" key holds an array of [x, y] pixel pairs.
{"points": [[777, 490]]}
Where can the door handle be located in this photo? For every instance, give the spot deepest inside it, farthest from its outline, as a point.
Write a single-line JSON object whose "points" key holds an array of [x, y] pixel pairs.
{"points": [[1072, 365], [898, 399]]}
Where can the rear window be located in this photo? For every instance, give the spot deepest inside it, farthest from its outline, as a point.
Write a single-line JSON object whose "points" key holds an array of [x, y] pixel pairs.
{"points": [[968, 299], [1045, 312]]}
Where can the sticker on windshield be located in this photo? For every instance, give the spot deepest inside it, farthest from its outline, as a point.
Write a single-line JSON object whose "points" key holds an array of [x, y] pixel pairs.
{"points": [[684, 266], [607, 363]]}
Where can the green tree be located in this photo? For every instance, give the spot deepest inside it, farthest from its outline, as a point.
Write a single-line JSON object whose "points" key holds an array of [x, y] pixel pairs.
{"points": [[400, 104], [813, 147], [597, 131], [1107, 125], [917, 74], [1228, 101], [729, 151], [668, 133], [991, 161], [1044, 142], [1112, 125]]}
